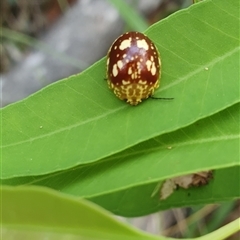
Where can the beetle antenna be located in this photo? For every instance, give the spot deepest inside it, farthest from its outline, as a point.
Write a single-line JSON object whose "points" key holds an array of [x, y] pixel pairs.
{"points": [[157, 98]]}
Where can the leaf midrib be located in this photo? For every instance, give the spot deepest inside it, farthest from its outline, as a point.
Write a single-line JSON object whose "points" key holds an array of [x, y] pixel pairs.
{"points": [[150, 150]]}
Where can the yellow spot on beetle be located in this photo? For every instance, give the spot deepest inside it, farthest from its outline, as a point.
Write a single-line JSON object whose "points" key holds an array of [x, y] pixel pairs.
{"points": [[125, 82], [148, 63], [153, 69], [115, 70], [125, 44], [120, 64], [142, 44], [130, 71]]}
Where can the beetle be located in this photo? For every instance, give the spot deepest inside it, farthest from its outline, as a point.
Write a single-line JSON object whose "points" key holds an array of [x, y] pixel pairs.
{"points": [[133, 67]]}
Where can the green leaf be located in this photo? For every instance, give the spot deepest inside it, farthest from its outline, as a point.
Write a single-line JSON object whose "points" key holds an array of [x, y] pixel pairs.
{"points": [[39, 213], [78, 120], [42, 213], [137, 201], [120, 181]]}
